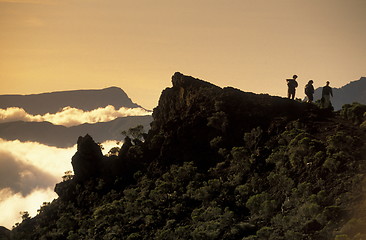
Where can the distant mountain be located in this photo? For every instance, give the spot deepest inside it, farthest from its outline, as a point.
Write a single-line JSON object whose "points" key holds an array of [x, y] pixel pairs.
{"points": [[355, 91], [52, 102], [61, 136]]}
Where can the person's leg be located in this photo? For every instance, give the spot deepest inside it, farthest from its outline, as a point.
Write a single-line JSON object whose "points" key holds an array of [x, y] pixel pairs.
{"points": [[326, 101], [311, 98]]}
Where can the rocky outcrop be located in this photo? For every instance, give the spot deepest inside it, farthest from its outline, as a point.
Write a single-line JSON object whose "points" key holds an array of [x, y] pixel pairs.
{"points": [[192, 119], [87, 161], [193, 113]]}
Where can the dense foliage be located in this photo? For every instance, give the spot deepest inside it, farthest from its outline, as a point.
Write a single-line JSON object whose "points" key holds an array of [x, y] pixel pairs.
{"points": [[295, 185]]}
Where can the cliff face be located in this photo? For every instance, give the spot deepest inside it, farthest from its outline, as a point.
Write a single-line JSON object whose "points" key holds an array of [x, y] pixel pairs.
{"points": [[217, 164]]}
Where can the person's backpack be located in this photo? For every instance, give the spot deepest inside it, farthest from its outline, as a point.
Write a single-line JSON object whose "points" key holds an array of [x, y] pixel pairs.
{"points": [[309, 89], [291, 83]]}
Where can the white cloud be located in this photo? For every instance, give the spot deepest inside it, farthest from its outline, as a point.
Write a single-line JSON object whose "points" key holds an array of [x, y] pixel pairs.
{"points": [[11, 204], [69, 116], [28, 174], [52, 160]]}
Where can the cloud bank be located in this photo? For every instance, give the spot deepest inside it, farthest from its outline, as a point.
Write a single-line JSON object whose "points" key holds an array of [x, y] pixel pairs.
{"points": [[12, 204], [28, 174], [69, 116], [22, 177]]}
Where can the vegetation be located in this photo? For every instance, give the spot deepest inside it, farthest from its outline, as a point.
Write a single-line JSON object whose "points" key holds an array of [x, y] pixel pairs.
{"points": [[299, 178], [293, 186]]}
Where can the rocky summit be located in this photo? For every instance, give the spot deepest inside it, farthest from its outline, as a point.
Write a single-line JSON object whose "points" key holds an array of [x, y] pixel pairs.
{"points": [[217, 163], [193, 113]]}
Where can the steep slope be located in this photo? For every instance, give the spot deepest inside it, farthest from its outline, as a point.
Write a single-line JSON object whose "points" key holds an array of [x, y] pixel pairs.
{"points": [[53, 102], [60, 136], [216, 164], [355, 91]]}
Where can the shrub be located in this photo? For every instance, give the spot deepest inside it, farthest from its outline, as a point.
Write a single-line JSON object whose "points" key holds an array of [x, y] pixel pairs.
{"points": [[354, 112]]}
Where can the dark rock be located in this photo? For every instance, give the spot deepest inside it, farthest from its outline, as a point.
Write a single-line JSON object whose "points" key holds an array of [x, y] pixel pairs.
{"points": [[87, 161], [65, 190], [126, 146]]}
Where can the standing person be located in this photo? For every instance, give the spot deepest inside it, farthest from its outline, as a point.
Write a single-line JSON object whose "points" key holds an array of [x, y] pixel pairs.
{"points": [[326, 94], [309, 91], [292, 85]]}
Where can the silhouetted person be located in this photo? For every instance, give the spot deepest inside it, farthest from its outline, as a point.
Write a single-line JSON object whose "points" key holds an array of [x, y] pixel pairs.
{"points": [[292, 85], [326, 94], [309, 91]]}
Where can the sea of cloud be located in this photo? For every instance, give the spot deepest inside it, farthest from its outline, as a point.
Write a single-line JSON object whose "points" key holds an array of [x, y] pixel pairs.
{"points": [[28, 174], [70, 116]]}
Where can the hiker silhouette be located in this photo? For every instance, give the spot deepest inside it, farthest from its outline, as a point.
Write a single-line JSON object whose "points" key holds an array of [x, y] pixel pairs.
{"points": [[309, 91], [292, 85], [327, 92]]}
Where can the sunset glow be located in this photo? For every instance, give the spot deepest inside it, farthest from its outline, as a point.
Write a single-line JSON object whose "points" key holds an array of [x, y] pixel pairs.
{"points": [[55, 45]]}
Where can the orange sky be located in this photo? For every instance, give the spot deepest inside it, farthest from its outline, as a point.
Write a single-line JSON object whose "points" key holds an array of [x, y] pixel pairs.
{"points": [[253, 45]]}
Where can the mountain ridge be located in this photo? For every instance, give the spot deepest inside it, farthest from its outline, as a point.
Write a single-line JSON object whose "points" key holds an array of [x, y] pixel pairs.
{"points": [[53, 102], [60, 136]]}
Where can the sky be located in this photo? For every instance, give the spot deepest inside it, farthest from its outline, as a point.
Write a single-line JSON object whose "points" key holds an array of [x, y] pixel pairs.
{"points": [[137, 45], [253, 45]]}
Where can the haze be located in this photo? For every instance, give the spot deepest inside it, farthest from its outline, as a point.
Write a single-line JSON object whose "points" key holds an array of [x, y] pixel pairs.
{"points": [[52, 45]]}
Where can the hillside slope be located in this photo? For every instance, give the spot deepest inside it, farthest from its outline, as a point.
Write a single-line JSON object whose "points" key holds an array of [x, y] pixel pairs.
{"points": [[216, 164], [61, 136], [53, 102]]}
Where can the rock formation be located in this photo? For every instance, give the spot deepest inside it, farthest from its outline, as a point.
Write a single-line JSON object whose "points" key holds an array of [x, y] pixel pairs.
{"points": [[87, 161], [193, 112]]}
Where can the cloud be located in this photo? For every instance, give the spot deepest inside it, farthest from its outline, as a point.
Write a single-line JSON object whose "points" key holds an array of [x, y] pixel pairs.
{"points": [[70, 116], [11, 204], [21, 177], [28, 174], [52, 160]]}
